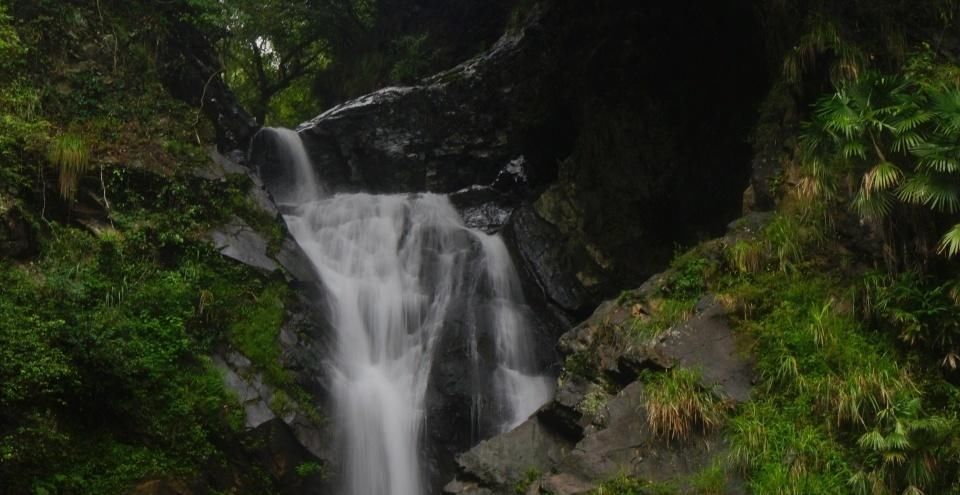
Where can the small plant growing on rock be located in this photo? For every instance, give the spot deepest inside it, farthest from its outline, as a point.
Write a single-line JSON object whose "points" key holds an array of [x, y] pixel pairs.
{"points": [[71, 155], [530, 477], [746, 256], [593, 402], [677, 405]]}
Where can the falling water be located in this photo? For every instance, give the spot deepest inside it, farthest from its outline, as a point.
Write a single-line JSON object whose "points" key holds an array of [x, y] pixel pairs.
{"points": [[394, 268], [300, 185]]}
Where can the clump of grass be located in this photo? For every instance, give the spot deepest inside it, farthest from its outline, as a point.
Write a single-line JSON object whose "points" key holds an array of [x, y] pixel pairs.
{"points": [[746, 256], [665, 314], [71, 155], [677, 405], [857, 397], [784, 236], [781, 453], [712, 480], [629, 485]]}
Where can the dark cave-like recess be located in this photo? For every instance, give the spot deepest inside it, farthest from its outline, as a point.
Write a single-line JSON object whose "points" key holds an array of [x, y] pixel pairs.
{"points": [[648, 130]]}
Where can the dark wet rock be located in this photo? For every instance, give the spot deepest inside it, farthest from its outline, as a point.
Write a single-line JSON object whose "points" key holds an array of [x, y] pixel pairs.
{"points": [[263, 402], [505, 459], [219, 167], [540, 246], [16, 237], [606, 140], [280, 452], [239, 241], [596, 420], [292, 258], [253, 393], [563, 414], [707, 343]]}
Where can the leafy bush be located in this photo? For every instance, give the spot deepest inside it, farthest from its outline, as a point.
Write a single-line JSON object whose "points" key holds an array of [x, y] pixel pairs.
{"points": [[920, 311], [897, 136]]}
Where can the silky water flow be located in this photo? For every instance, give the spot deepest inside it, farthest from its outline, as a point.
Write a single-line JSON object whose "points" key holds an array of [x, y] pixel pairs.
{"points": [[394, 267]]}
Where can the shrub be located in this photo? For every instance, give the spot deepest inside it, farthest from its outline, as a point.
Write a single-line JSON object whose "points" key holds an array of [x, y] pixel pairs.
{"points": [[897, 135], [919, 310]]}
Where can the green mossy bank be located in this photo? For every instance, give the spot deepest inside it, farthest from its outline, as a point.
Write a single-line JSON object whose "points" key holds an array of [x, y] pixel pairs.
{"points": [[113, 300]]}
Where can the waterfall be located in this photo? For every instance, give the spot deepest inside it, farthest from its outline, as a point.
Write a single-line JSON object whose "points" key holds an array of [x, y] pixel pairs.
{"points": [[300, 183], [398, 272]]}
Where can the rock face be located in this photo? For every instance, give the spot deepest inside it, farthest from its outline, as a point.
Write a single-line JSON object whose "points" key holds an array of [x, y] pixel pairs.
{"points": [[622, 152], [15, 235], [596, 428], [585, 137]]}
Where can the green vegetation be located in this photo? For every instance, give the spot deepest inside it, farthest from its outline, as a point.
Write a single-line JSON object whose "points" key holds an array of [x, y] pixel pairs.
{"points": [[897, 136], [530, 477], [841, 408], [107, 326], [675, 297], [676, 405], [625, 485], [71, 155], [103, 363]]}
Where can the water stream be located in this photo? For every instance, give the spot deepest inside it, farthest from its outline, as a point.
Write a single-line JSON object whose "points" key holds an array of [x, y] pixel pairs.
{"points": [[399, 271]]}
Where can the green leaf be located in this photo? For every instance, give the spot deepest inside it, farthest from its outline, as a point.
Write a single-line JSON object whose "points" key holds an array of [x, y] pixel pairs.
{"points": [[932, 191], [873, 205], [950, 243], [881, 177]]}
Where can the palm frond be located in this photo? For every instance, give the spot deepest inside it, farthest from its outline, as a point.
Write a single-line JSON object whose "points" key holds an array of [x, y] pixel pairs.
{"points": [[950, 243], [938, 157], [907, 141], [931, 191], [909, 121], [947, 105], [876, 205], [882, 176]]}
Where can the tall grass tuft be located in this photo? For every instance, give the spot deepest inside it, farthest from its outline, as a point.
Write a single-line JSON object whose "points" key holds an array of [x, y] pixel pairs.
{"points": [[71, 155], [677, 405]]}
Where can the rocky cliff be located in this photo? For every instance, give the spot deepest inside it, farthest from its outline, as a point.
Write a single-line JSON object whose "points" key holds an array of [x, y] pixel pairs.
{"points": [[586, 139]]}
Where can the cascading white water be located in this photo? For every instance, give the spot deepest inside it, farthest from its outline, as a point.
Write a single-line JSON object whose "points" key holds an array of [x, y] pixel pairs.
{"points": [[302, 186], [394, 267]]}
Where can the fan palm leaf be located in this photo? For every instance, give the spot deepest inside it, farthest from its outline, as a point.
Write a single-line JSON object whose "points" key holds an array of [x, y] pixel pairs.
{"points": [[938, 157], [950, 243], [875, 206], [947, 106], [881, 177], [932, 191]]}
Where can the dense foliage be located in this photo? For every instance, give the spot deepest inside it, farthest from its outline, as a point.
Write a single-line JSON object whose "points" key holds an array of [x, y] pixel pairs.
{"points": [[896, 135], [108, 321]]}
